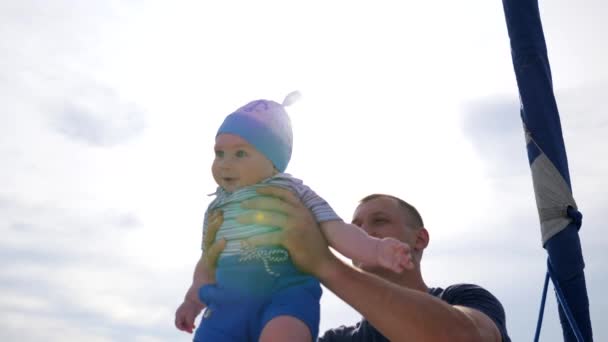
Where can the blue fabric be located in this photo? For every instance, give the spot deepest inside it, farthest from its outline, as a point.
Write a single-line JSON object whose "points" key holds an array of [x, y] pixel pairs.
{"points": [[566, 258], [468, 295], [231, 316], [247, 297], [541, 118], [251, 278], [533, 74]]}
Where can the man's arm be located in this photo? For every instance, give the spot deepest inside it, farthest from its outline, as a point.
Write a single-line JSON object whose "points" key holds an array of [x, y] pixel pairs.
{"points": [[398, 313], [191, 306], [402, 314]]}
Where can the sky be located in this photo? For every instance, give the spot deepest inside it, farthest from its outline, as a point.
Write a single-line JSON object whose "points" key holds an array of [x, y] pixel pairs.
{"points": [[108, 112]]}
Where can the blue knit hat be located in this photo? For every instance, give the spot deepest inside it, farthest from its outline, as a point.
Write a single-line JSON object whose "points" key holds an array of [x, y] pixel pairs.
{"points": [[266, 126]]}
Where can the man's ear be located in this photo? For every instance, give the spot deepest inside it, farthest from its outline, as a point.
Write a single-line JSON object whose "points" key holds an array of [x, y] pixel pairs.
{"points": [[422, 239]]}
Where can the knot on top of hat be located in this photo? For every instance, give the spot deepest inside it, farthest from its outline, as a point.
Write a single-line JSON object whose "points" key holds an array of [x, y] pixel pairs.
{"points": [[291, 98]]}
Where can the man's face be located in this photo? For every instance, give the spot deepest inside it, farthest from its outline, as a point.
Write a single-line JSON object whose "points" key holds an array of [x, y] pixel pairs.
{"points": [[238, 164], [383, 217]]}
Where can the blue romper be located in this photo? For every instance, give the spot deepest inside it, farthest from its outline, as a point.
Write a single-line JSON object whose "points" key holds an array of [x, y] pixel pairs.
{"points": [[256, 285]]}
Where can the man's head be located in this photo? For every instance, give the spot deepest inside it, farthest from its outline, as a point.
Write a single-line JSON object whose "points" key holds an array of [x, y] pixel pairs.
{"points": [[388, 216]]}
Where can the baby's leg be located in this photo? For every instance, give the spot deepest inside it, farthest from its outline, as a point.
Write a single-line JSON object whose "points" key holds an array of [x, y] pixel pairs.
{"points": [[227, 317], [285, 328], [292, 314]]}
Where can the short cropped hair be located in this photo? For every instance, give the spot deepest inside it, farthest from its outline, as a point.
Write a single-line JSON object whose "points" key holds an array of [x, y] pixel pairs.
{"points": [[412, 216]]}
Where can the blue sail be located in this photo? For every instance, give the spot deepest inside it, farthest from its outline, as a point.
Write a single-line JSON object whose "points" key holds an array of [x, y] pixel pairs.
{"points": [[559, 215]]}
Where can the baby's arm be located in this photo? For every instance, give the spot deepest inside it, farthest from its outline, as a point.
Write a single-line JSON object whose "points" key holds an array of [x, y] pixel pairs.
{"points": [[191, 306], [352, 242], [200, 277], [204, 273]]}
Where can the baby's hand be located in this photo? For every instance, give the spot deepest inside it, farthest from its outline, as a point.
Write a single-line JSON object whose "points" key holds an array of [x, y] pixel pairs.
{"points": [[186, 314], [394, 255]]}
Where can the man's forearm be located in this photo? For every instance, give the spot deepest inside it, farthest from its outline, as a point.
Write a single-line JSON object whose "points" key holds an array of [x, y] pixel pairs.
{"points": [[400, 314]]}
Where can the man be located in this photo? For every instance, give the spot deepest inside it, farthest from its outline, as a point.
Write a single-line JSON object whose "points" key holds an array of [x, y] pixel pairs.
{"points": [[395, 307]]}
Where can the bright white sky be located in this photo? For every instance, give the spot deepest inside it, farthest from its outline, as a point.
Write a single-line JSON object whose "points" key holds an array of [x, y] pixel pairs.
{"points": [[108, 112]]}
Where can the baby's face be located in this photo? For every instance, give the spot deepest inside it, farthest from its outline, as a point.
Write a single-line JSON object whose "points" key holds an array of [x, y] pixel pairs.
{"points": [[238, 164]]}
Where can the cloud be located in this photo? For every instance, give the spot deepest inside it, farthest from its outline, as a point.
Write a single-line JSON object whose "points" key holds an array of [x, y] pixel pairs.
{"points": [[96, 115], [65, 270], [494, 125], [55, 233], [494, 128], [50, 61], [72, 269]]}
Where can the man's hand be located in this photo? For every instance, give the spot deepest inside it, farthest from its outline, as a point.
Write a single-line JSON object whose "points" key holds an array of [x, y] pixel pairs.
{"points": [[211, 248], [204, 273], [299, 232]]}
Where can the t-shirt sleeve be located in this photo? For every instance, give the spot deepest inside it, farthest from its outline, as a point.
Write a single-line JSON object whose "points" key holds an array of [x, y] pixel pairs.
{"points": [[322, 211], [480, 299], [340, 334]]}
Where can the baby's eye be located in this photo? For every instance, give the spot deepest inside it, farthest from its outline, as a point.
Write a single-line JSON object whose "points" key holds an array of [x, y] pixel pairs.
{"points": [[241, 153], [219, 154]]}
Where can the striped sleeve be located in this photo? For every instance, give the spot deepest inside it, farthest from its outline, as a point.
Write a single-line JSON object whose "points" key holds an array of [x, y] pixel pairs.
{"points": [[322, 211], [480, 299]]}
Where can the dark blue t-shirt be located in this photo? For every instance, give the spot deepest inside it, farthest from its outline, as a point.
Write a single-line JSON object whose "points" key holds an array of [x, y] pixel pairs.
{"points": [[468, 295]]}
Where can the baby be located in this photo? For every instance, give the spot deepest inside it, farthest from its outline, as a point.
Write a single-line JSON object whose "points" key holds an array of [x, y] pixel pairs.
{"points": [[259, 294]]}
